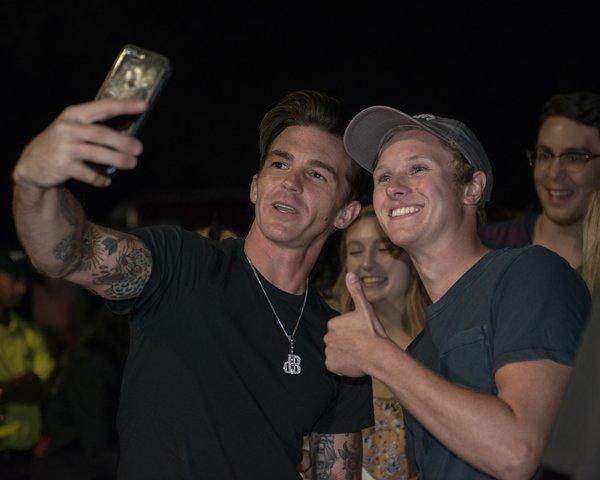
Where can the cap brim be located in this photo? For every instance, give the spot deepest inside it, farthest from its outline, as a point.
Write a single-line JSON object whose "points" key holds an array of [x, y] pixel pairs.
{"points": [[364, 133]]}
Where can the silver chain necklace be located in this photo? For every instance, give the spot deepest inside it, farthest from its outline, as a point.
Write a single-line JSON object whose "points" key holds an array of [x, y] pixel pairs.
{"points": [[292, 365]]}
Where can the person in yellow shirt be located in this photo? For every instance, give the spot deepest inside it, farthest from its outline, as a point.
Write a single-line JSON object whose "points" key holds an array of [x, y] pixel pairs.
{"points": [[25, 367]]}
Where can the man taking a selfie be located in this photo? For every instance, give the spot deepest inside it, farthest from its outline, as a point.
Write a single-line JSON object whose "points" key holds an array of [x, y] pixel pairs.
{"points": [[226, 369]]}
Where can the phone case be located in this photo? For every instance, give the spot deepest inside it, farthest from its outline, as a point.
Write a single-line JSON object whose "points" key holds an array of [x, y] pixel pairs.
{"points": [[136, 73]]}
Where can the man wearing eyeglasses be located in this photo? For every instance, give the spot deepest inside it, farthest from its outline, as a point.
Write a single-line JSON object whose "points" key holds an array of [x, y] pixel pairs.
{"points": [[566, 170]]}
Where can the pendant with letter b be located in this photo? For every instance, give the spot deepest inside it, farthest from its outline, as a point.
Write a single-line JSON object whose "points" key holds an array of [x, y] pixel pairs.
{"points": [[292, 366]]}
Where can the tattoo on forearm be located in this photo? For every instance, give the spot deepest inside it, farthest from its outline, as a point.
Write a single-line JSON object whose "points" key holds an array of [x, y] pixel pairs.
{"points": [[67, 208], [91, 248], [329, 459], [65, 250], [124, 275], [129, 275], [87, 248], [324, 456], [351, 454]]}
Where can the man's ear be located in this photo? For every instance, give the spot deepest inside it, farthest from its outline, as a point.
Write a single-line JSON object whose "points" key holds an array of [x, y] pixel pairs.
{"points": [[474, 189], [253, 188], [347, 215]]}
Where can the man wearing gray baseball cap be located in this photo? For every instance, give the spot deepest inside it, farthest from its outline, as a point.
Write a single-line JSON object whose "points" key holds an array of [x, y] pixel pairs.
{"points": [[482, 383]]}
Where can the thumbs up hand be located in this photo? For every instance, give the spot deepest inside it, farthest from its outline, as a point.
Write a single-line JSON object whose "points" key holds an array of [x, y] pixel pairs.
{"points": [[352, 338]]}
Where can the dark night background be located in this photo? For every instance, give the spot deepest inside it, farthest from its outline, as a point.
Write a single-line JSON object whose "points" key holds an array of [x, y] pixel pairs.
{"points": [[488, 64]]}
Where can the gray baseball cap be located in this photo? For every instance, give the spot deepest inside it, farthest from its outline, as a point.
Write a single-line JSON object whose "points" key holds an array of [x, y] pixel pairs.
{"points": [[367, 130]]}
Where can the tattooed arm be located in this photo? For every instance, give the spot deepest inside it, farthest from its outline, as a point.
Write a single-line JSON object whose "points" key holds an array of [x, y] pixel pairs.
{"points": [[51, 224], [336, 456], [61, 242]]}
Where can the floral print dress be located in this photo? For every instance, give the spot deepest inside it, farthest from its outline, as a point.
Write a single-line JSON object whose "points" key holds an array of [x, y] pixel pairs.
{"points": [[383, 444]]}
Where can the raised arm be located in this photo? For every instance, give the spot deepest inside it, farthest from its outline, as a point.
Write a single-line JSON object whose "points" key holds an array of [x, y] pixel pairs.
{"points": [[336, 456], [51, 224]]}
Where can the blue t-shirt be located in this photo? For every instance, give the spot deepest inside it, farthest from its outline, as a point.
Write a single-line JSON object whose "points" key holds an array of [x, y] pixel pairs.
{"points": [[513, 305]]}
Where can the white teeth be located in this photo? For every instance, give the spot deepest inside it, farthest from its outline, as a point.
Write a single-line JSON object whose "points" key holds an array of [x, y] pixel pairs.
{"points": [[284, 208], [559, 193], [398, 212], [371, 280]]}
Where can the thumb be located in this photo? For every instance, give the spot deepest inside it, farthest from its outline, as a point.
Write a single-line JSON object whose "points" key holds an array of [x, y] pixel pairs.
{"points": [[361, 303], [356, 292]]}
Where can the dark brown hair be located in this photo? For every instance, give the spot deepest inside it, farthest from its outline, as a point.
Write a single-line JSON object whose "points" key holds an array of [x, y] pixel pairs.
{"points": [[581, 107], [311, 109]]}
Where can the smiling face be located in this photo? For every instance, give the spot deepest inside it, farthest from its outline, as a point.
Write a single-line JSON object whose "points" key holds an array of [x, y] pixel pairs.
{"points": [[384, 269], [564, 196], [300, 190], [415, 196]]}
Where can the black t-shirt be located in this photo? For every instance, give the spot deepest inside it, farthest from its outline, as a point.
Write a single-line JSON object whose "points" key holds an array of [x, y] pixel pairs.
{"points": [[204, 392], [513, 305]]}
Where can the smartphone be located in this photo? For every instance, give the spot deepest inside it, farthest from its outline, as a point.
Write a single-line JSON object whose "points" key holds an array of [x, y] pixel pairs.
{"points": [[137, 73]]}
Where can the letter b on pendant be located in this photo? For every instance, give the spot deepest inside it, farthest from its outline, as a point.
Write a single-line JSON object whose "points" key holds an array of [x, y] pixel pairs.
{"points": [[292, 366]]}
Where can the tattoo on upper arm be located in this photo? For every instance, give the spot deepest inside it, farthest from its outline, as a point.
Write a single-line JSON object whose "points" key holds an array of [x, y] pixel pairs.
{"points": [[124, 275], [110, 245], [340, 454], [127, 277]]}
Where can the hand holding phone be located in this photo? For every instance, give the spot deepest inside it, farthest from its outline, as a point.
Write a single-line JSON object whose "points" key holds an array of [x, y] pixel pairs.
{"points": [[137, 73]]}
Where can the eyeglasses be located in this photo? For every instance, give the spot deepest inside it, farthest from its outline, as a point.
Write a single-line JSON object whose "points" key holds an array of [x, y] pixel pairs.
{"points": [[572, 162]]}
